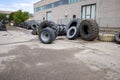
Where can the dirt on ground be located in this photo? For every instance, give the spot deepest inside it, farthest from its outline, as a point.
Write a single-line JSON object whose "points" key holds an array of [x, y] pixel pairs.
{"points": [[24, 57]]}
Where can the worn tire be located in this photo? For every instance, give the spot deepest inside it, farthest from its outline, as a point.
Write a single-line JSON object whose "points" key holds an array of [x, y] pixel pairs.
{"points": [[106, 37], [34, 32], [89, 30], [117, 37], [50, 24], [72, 33], [47, 35], [33, 26], [75, 22]]}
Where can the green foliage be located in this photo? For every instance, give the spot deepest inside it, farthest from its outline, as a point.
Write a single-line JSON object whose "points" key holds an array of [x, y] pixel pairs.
{"points": [[11, 16], [18, 16], [3, 17]]}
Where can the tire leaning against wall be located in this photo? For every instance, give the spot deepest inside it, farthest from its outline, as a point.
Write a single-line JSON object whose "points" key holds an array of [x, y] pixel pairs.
{"points": [[89, 29], [75, 22], [72, 33]]}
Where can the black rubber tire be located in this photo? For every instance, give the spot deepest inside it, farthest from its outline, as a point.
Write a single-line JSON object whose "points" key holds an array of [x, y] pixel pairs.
{"points": [[34, 32], [89, 30], [47, 35], [117, 37], [33, 26], [75, 22], [72, 33], [50, 24]]}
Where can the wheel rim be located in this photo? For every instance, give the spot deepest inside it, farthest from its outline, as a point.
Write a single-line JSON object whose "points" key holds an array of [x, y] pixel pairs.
{"points": [[45, 36]]}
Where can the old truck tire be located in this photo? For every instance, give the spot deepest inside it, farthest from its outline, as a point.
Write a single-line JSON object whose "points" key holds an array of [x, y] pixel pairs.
{"points": [[89, 30], [47, 35], [72, 33], [117, 37], [106, 37], [75, 22], [50, 24]]}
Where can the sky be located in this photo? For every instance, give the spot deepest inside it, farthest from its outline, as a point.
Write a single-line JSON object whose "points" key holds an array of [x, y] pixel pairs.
{"points": [[14, 5]]}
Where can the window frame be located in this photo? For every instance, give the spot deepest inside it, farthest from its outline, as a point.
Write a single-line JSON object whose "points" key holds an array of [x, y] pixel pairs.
{"points": [[94, 4]]}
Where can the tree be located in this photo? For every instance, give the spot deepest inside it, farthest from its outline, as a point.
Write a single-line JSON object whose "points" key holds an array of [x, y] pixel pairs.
{"points": [[11, 16], [19, 16], [3, 17]]}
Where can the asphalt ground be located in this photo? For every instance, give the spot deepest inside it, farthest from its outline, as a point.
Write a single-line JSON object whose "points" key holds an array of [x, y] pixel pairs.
{"points": [[24, 57]]}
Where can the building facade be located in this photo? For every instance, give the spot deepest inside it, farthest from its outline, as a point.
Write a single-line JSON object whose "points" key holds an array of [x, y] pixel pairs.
{"points": [[7, 13], [105, 12]]}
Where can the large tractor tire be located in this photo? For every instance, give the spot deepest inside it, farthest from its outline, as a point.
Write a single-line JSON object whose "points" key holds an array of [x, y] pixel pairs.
{"points": [[72, 33], [89, 30], [47, 35], [117, 37], [50, 24]]}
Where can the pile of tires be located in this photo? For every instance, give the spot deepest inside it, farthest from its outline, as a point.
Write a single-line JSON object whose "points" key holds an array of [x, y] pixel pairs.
{"points": [[47, 31], [86, 29], [61, 29], [2, 27], [117, 37]]}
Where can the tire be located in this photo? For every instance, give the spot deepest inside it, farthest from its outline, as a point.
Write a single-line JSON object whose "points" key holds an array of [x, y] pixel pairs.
{"points": [[34, 32], [47, 35], [117, 37], [33, 26], [75, 22], [72, 33], [106, 37], [50, 24], [89, 30]]}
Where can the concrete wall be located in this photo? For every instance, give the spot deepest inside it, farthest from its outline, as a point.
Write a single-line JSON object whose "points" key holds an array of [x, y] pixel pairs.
{"points": [[107, 14]]}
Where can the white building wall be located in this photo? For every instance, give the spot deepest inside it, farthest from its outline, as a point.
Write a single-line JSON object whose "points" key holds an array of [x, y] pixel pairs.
{"points": [[107, 12]]}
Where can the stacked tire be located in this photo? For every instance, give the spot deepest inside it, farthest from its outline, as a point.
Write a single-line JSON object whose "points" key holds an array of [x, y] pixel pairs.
{"points": [[61, 29], [47, 32]]}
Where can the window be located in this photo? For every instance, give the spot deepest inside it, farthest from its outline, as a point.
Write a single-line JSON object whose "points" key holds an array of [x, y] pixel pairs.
{"points": [[55, 4], [73, 1], [49, 15], [88, 11]]}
